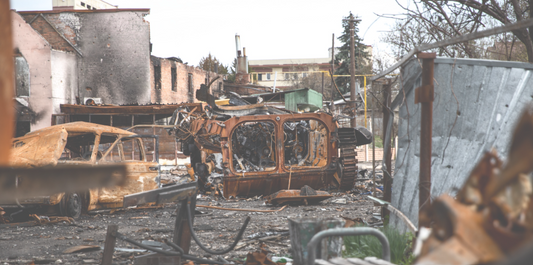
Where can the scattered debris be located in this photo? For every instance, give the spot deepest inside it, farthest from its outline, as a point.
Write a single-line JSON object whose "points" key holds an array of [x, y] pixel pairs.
{"points": [[260, 258], [82, 248], [305, 195], [242, 210]]}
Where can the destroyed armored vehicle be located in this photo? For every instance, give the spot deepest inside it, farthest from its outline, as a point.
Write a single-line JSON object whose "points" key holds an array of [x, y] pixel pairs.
{"points": [[82, 143], [254, 149]]}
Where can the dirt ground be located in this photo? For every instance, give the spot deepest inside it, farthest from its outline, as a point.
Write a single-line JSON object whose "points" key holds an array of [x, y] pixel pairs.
{"points": [[216, 228]]}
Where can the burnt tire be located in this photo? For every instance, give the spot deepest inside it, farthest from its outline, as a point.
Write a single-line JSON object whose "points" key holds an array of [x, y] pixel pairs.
{"points": [[71, 205]]}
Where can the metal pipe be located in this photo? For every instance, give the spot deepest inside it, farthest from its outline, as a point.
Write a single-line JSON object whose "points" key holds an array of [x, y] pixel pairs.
{"points": [[356, 231], [373, 145], [424, 95], [365, 99], [164, 252], [214, 252], [332, 63], [387, 181]]}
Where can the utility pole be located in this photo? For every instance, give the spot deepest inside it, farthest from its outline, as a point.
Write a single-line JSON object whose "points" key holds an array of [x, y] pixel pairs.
{"points": [[332, 64], [352, 69]]}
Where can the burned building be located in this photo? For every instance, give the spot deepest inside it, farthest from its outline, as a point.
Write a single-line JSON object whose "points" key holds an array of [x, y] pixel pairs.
{"points": [[92, 56], [77, 55], [172, 81]]}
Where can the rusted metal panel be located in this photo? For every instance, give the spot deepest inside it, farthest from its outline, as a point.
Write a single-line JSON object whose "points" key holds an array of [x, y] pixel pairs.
{"points": [[254, 183]]}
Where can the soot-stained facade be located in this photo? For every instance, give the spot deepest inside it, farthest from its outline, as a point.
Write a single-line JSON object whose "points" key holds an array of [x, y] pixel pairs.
{"points": [[66, 57]]}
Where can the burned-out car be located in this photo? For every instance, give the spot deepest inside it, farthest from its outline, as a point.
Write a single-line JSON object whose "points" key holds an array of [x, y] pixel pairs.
{"points": [[82, 143]]}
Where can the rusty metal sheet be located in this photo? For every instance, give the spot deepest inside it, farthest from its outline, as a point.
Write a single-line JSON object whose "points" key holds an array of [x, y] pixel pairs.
{"points": [[295, 196]]}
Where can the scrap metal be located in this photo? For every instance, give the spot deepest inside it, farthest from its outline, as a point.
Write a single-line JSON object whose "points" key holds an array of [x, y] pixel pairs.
{"points": [[81, 145], [492, 216], [251, 149]]}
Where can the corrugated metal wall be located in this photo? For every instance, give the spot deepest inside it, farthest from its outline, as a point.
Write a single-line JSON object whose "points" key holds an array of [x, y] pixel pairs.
{"points": [[477, 103]]}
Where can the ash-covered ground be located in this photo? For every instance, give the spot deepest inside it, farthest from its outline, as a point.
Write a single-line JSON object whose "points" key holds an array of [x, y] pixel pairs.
{"points": [[216, 229]]}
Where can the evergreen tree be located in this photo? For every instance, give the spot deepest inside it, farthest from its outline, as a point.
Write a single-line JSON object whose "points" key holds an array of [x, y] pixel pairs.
{"points": [[209, 62], [342, 59]]}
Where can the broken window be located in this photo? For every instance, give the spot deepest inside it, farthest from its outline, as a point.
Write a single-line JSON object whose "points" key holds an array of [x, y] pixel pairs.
{"points": [[305, 144], [253, 147], [22, 77], [157, 76], [189, 83], [287, 77], [132, 149], [82, 4], [304, 75], [106, 142], [79, 147], [174, 79]]}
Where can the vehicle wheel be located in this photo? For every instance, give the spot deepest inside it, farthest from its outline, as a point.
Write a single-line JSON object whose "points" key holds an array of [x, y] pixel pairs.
{"points": [[71, 205]]}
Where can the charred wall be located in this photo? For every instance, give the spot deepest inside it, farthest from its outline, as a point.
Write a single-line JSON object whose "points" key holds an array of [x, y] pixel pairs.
{"points": [[165, 88], [116, 56]]}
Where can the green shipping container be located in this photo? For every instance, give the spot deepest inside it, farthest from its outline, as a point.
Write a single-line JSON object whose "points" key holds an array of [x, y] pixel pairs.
{"points": [[300, 99]]}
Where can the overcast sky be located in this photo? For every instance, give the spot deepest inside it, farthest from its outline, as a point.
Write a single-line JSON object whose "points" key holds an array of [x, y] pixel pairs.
{"points": [[275, 29]]}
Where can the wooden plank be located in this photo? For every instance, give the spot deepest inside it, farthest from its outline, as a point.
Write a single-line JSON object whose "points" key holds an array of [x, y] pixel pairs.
{"points": [[109, 245]]}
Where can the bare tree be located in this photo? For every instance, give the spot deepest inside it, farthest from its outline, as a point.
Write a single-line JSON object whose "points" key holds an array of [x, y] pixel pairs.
{"points": [[434, 20]]}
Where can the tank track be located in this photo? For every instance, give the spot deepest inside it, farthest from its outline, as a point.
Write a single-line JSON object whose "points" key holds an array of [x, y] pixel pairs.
{"points": [[348, 158]]}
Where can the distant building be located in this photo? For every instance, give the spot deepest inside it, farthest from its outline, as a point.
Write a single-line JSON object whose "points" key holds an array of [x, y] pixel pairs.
{"points": [[288, 72], [81, 5]]}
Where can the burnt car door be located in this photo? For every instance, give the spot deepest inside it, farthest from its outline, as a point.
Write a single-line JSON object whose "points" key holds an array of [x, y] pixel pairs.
{"points": [[143, 171]]}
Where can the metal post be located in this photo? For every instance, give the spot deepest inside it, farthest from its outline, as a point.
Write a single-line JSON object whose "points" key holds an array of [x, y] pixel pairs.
{"points": [[323, 84], [352, 73], [387, 181], [6, 82], [373, 148], [332, 64], [424, 95], [365, 101]]}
